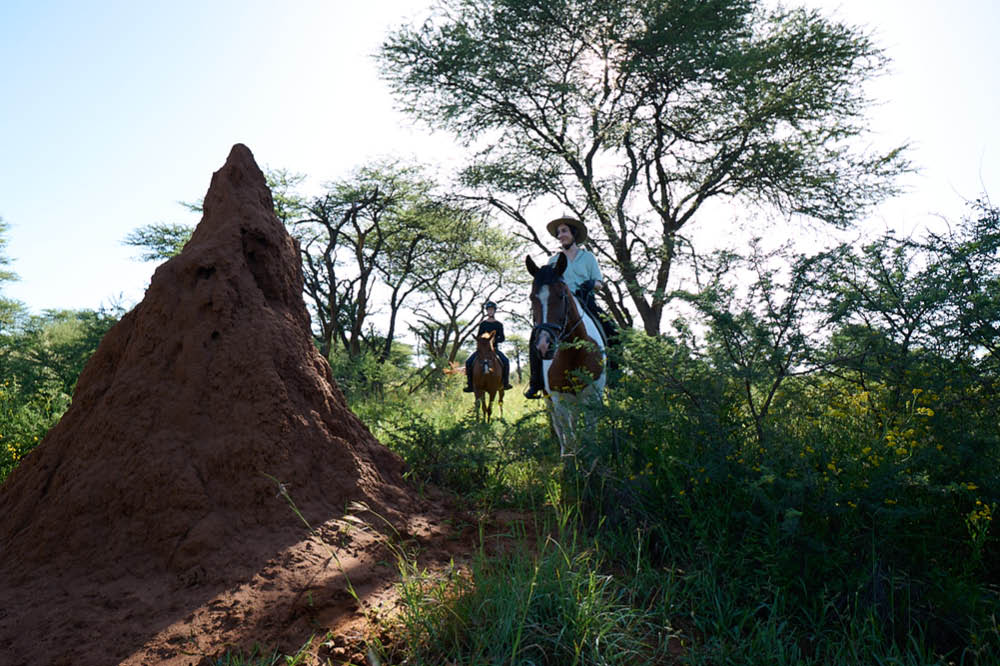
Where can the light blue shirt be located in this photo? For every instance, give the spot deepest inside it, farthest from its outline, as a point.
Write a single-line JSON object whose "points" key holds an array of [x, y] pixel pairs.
{"points": [[579, 270]]}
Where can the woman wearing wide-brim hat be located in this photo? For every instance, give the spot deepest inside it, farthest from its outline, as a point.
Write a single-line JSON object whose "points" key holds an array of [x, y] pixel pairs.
{"points": [[580, 235], [582, 274]]}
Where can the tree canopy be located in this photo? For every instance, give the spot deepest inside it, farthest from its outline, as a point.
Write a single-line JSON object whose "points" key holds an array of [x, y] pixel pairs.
{"points": [[10, 310], [634, 114]]}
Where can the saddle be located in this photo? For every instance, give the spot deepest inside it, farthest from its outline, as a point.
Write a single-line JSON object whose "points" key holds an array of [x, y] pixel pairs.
{"points": [[486, 364]]}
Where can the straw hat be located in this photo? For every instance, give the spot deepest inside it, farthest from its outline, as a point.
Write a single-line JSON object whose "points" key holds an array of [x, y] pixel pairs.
{"points": [[581, 230]]}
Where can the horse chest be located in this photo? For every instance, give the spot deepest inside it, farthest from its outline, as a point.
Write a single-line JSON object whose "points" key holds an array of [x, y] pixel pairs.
{"points": [[573, 369]]}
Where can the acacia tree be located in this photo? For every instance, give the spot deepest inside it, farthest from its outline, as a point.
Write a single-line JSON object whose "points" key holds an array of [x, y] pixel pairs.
{"points": [[160, 240], [10, 310], [452, 305], [378, 239], [634, 114], [342, 233], [757, 324], [437, 247], [966, 267]]}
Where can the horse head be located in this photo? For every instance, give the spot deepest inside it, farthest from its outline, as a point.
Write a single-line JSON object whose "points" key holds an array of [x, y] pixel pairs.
{"points": [[485, 345], [553, 309]]}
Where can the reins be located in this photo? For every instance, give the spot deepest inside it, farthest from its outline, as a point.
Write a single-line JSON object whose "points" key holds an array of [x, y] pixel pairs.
{"points": [[559, 333]]}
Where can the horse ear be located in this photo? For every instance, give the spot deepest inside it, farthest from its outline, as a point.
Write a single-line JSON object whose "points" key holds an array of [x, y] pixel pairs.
{"points": [[561, 264], [529, 262]]}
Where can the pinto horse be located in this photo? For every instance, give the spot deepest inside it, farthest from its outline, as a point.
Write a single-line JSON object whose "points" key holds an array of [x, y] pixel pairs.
{"points": [[487, 376], [571, 346]]}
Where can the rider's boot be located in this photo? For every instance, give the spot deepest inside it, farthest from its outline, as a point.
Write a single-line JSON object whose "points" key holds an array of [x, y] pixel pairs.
{"points": [[534, 376]]}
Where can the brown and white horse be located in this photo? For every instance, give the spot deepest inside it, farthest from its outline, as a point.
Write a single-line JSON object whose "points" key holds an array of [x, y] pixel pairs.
{"points": [[487, 376], [572, 349]]}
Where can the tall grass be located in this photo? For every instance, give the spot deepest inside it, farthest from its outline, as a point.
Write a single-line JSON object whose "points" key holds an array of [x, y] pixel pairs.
{"points": [[550, 601], [857, 529], [504, 463]]}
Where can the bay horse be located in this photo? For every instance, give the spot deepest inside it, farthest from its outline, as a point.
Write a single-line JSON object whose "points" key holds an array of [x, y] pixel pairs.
{"points": [[572, 348], [487, 376]]}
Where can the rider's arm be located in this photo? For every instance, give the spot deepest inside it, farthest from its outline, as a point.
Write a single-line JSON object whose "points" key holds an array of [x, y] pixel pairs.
{"points": [[595, 273]]}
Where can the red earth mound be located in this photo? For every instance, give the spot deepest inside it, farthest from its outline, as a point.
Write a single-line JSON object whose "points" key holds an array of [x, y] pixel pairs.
{"points": [[153, 523]]}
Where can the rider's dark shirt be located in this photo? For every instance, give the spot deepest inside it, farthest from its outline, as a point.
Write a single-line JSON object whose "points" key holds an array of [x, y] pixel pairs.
{"points": [[487, 326]]}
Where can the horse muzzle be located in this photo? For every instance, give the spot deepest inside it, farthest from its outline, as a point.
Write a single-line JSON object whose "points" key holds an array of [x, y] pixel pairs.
{"points": [[546, 340], [546, 348]]}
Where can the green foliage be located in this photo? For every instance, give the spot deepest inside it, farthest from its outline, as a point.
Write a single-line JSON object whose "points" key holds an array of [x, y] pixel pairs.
{"points": [[48, 352], [11, 311], [466, 456], [435, 431], [160, 240], [41, 361], [873, 498], [366, 376], [24, 420], [6, 275], [553, 606]]}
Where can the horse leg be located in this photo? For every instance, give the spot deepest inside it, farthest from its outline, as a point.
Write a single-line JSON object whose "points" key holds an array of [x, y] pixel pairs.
{"points": [[562, 423]]}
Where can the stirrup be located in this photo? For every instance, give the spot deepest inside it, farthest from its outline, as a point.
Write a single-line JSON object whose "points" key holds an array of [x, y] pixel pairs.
{"points": [[533, 393]]}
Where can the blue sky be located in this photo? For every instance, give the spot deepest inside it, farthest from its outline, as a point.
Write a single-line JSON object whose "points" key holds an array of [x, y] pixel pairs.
{"points": [[114, 111]]}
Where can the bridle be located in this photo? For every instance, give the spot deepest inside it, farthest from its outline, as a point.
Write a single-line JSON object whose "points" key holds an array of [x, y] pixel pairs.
{"points": [[557, 333]]}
